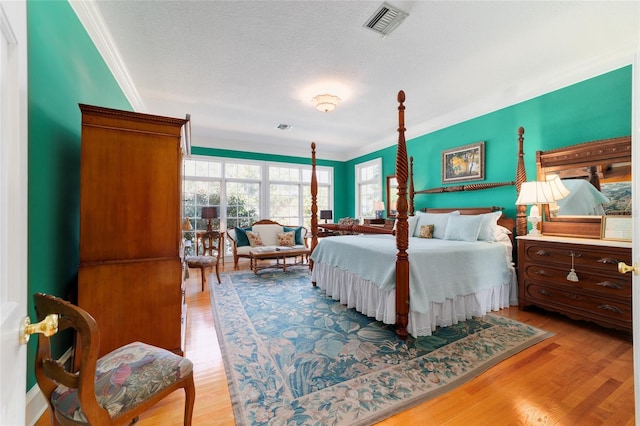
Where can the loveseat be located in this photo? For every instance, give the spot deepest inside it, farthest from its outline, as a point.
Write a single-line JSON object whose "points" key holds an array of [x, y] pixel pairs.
{"points": [[270, 234]]}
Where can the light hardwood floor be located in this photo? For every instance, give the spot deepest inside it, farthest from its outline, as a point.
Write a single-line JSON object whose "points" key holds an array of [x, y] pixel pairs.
{"points": [[582, 375]]}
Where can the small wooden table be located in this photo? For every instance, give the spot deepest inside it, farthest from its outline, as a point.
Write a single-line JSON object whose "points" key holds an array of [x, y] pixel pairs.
{"points": [[281, 254]]}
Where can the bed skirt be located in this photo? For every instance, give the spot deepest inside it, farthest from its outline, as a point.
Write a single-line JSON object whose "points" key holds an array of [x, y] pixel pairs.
{"points": [[365, 297]]}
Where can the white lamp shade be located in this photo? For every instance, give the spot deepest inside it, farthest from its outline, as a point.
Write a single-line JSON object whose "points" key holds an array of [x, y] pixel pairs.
{"points": [[536, 192], [558, 189], [378, 205]]}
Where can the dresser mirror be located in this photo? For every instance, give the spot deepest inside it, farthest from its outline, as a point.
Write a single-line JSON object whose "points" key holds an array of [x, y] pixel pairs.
{"points": [[597, 176]]}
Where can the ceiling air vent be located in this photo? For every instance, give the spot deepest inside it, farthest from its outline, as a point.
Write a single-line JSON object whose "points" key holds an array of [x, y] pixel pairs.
{"points": [[385, 19]]}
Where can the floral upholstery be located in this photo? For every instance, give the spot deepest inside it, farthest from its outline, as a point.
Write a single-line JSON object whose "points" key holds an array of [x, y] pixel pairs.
{"points": [[426, 231], [286, 239], [255, 239], [126, 377]]}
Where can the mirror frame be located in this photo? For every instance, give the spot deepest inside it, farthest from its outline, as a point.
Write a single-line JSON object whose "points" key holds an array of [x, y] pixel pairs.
{"points": [[613, 150]]}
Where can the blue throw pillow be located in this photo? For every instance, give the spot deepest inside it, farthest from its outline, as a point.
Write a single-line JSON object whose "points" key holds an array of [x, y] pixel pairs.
{"points": [[297, 232], [241, 236]]}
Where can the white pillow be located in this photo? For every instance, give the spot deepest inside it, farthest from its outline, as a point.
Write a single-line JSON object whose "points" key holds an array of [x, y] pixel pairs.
{"points": [[502, 233], [413, 223], [463, 227], [438, 220], [489, 226]]}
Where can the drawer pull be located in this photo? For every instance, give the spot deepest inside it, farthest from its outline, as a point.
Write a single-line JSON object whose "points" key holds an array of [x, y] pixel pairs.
{"points": [[544, 292], [608, 261], [543, 273], [572, 253], [542, 252], [609, 284], [576, 297], [610, 308]]}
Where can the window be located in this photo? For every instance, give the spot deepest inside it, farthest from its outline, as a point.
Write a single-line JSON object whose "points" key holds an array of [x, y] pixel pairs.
{"points": [[368, 187], [324, 177], [242, 190]]}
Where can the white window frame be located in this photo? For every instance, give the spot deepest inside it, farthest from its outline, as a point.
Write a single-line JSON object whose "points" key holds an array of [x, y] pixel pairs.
{"points": [[264, 204], [376, 162]]}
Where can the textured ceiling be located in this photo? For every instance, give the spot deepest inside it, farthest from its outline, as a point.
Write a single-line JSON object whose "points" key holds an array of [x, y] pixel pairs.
{"points": [[241, 68]]}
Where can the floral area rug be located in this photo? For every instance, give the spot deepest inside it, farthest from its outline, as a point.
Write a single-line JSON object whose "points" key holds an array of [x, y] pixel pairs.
{"points": [[294, 356]]}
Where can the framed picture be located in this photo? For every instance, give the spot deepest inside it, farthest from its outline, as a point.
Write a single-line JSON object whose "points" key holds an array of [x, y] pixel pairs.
{"points": [[392, 196], [463, 163], [616, 228]]}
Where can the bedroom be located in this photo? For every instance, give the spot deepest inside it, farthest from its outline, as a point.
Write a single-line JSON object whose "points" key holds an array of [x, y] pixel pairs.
{"points": [[53, 127]]}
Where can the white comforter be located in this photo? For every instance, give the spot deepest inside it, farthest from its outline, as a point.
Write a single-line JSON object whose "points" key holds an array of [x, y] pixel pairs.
{"points": [[450, 281]]}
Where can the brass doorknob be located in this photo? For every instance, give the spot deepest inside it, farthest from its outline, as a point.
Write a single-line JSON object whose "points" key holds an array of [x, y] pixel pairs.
{"points": [[623, 268], [48, 326]]}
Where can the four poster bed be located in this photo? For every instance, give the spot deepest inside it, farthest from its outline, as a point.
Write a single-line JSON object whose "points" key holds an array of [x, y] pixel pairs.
{"points": [[465, 270]]}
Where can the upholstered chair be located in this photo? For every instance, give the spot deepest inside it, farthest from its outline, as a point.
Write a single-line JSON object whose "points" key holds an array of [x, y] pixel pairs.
{"points": [[113, 389]]}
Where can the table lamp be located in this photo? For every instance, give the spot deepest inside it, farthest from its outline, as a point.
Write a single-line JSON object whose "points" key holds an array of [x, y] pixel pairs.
{"points": [[532, 194], [559, 192], [378, 206], [326, 214], [209, 213]]}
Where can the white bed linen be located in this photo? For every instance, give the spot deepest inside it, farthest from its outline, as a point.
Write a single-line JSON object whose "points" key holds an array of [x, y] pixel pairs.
{"points": [[371, 299]]}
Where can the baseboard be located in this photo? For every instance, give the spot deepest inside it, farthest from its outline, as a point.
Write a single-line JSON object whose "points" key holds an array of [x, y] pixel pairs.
{"points": [[36, 404]]}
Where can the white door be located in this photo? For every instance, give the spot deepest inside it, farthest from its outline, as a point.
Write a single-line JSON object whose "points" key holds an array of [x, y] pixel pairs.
{"points": [[635, 199], [13, 209]]}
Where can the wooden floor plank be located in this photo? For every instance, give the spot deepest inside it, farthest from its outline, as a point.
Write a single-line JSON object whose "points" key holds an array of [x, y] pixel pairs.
{"points": [[581, 375]]}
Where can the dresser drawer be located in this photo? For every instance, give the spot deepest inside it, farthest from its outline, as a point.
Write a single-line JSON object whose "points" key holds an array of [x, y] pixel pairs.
{"points": [[601, 294], [603, 258], [591, 280], [577, 303]]}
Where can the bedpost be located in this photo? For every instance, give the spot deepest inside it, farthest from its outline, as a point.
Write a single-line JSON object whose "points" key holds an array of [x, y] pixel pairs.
{"points": [[402, 228], [521, 177], [314, 203], [412, 191]]}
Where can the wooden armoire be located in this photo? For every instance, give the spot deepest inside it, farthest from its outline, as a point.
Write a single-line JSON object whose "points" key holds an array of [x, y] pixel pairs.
{"points": [[130, 273]]}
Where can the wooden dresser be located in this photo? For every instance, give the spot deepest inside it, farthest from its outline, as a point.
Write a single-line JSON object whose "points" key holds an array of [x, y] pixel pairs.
{"points": [[601, 294], [130, 273]]}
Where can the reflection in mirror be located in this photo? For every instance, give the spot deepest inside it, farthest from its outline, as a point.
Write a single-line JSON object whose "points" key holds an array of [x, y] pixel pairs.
{"points": [[601, 190], [605, 165]]}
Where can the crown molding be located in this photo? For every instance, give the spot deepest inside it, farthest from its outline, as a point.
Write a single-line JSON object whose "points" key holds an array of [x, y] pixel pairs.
{"points": [[90, 17]]}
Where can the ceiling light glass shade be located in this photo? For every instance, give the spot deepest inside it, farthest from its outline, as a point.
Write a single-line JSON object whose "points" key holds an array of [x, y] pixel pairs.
{"points": [[326, 102]]}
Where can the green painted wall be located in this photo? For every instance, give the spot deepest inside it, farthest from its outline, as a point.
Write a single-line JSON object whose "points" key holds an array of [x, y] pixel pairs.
{"points": [[593, 109], [64, 69]]}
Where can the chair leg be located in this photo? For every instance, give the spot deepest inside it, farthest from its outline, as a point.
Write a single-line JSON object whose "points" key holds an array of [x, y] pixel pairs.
{"points": [[190, 398], [203, 277], [218, 273]]}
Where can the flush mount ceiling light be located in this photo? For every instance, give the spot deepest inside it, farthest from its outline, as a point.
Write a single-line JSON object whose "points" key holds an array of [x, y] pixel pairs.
{"points": [[326, 102]]}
